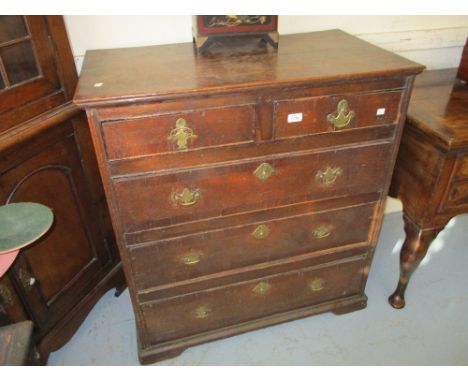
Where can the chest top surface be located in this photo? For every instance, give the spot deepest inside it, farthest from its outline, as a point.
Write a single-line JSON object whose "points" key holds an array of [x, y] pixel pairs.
{"points": [[439, 108], [155, 72]]}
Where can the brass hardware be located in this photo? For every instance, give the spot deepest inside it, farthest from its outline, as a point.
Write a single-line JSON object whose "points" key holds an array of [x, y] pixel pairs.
{"points": [[186, 197], [329, 175], [262, 288], [25, 278], [202, 312], [181, 134], [316, 284], [342, 117], [192, 257], [261, 232], [6, 295], [264, 171], [321, 232]]}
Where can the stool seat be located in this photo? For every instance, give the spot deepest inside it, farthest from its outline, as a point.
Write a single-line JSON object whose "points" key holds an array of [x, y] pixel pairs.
{"points": [[20, 225]]}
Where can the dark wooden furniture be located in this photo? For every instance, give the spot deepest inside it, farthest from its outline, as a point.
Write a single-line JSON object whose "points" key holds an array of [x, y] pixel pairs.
{"points": [[246, 186], [431, 174], [46, 156]]}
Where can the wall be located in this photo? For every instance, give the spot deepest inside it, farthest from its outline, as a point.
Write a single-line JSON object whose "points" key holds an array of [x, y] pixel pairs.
{"points": [[435, 41]]}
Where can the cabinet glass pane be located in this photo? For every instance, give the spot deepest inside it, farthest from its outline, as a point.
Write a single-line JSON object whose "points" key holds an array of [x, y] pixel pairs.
{"points": [[19, 62], [11, 27]]}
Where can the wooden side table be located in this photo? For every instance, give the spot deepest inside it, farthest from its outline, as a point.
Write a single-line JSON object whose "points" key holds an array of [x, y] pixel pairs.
{"points": [[431, 173]]}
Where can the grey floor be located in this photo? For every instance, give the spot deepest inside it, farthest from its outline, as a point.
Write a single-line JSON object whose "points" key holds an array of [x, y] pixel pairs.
{"points": [[431, 330]]}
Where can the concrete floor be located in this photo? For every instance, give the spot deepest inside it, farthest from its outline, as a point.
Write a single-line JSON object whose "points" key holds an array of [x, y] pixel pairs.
{"points": [[431, 330]]}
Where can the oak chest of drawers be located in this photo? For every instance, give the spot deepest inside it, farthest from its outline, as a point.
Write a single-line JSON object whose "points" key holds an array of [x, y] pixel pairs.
{"points": [[246, 185]]}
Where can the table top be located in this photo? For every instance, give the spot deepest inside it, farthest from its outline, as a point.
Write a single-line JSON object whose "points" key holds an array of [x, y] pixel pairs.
{"points": [[439, 108], [22, 223], [154, 72]]}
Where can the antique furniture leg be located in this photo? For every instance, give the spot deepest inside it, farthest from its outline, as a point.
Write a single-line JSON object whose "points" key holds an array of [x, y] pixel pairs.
{"points": [[413, 251]]}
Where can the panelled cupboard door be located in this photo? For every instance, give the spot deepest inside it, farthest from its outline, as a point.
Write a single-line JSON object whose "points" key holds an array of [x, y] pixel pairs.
{"points": [[29, 67], [56, 272]]}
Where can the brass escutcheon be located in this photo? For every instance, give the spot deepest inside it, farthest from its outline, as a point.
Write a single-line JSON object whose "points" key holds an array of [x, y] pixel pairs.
{"points": [[329, 175], [262, 288], [261, 232], [202, 312], [264, 171], [321, 232], [342, 117], [181, 134], [316, 284], [192, 257], [186, 197]]}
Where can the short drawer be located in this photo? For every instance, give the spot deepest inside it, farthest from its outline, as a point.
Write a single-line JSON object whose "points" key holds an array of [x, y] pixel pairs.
{"points": [[206, 253], [162, 200], [314, 115], [457, 195], [179, 131], [462, 167], [232, 304]]}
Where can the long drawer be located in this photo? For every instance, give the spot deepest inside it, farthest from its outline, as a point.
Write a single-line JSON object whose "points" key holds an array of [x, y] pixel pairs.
{"points": [[162, 200], [205, 253], [220, 307]]}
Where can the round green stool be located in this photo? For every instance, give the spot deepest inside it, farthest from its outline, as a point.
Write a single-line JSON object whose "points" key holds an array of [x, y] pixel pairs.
{"points": [[20, 225]]}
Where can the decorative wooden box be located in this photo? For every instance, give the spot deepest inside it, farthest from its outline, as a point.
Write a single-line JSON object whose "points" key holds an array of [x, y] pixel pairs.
{"points": [[207, 28]]}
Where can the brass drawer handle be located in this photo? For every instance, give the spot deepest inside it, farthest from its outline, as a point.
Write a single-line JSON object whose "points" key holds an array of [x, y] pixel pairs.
{"points": [[192, 257], [261, 232], [316, 284], [202, 312], [321, 232], [329, 175], [181, 134], [261, 289], [264, 171], [6, 295], [343, 116], [186, 197]]}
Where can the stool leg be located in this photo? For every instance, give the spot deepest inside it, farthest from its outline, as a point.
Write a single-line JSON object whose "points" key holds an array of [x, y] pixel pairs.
{"points": [[413, 251]]}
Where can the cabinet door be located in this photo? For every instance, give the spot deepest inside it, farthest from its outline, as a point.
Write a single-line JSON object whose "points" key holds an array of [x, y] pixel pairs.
{"points": [[30, 71], [61, 268]]}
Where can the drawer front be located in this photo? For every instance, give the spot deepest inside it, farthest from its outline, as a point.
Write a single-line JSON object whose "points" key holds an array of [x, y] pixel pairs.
{"points": [[155, 201], [206, 253], [215, 308], [462, 167], [458, 195], [316, 115], [179, 131]]}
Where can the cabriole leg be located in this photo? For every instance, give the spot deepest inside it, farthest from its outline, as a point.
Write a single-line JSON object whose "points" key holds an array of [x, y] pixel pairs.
{"points": [[413, 251]]}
